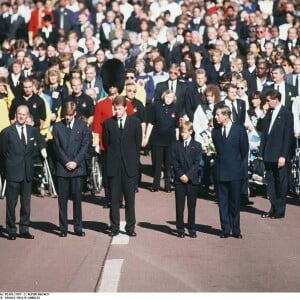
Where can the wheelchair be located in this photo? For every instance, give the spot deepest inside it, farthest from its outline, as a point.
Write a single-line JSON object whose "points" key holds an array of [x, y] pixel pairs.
{"points": [[42, 180], [94, 178], [295, 172]]}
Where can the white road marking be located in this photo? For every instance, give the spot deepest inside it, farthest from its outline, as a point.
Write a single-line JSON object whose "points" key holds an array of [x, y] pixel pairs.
{"points": [[110, 277], [121, 238]]}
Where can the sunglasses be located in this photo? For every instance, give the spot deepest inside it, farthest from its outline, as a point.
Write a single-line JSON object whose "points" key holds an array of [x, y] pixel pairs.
{"points": [[259, 31], [173, 72], [129, 91], [240, 88], [178, 28], [130, 77]]}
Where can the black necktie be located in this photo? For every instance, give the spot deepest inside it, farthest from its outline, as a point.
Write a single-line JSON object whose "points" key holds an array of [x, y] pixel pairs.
{"points": [[297, 82], [185, 146], [234, 113], [23, 136], [224, 133], [277, 87], [172, 87], [69, 129], [120, 124]]}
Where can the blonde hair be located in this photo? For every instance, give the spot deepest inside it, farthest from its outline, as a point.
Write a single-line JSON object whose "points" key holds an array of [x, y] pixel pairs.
{"points": [[186, 125]]}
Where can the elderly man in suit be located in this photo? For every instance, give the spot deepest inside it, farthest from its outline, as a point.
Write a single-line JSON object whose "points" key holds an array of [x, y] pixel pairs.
{"points": [[17, 143], [276, 149], [122, 138], [72, 139], [231, 144]]}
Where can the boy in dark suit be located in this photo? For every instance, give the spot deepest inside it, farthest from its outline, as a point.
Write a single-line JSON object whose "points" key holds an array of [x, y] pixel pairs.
{"points": [[186, 156]]}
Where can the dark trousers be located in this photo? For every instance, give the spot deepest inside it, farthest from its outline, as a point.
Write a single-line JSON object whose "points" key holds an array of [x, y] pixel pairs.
{"points": [[70, 188], [104, 176], [13, 190], [189, 192], [228, 194], [277, 186], [161, 155], [122, 184]]}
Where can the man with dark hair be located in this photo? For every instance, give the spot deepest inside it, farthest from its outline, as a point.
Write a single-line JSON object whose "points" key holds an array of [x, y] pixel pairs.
{"points": [[275, 150], [122, 138], [231, 144], [72, 139]]}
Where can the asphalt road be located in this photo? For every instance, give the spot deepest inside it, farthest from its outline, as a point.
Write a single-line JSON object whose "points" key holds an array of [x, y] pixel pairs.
{"points": [[267, 259]]}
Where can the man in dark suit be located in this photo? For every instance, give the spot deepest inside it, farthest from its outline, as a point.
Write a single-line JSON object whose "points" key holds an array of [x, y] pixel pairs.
{"points": [[293, 41], [275, 150], [72, 139], [174, 85], [194, 93], [17, 148], [186, 156], [63, 19], [92, 80], [17, 28], [231, 144], [122, 138], [286, 90]]}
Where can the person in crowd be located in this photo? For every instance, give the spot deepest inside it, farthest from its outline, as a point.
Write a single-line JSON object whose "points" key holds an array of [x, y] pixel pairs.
{"points": [[6, 97], [186, 156], [194, 93], [231, 144], [84, 103], [256, 110], [35, 104], [57, 93], [177, 87], [122, 138], [158, 74], [162, 131], [72, 139], [93, 81], [275, 150], [16, 148], [63, 18]]}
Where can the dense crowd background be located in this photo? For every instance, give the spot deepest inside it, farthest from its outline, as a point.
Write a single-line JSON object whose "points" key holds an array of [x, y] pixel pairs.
{"points": [[53, 52]]}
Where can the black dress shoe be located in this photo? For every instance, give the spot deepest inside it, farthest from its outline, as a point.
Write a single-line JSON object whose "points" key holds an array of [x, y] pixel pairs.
{"points": [[113, 233], [168, 190], [277, 216], [12, 237], [63, 234], [193, 235], [27, 235], [153, 190], [267, 215], [181, 234], [224, 235], [132, 233], [237, 236], [122, 205], [107, 205], [80, 233], [246, 203]]}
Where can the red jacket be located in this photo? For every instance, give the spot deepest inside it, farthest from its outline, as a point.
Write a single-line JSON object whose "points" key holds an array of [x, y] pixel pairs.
{"points": [[33, 25], [104, 111]]}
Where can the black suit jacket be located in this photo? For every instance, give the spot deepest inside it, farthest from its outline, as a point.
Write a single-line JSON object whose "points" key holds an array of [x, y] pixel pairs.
{"points": [[231, 153], [241, 112], [19, 158], [290, 92], [17, 29], [73, 147], [180, 95], [186, 162], [122, 145], [279, 142], [192, 99], [68, 19]]}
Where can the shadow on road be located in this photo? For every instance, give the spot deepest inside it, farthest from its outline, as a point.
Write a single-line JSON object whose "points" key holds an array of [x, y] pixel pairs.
{"points": [[94, 199], [96, 226], [45, 226], [158, 227]]}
